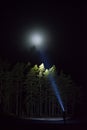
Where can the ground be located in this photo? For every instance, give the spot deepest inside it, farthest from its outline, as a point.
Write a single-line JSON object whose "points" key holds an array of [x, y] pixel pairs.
{"points": [[11, 122]]}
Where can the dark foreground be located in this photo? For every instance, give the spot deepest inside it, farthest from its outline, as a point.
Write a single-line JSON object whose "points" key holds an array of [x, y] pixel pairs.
{"points": [[15, 123]]}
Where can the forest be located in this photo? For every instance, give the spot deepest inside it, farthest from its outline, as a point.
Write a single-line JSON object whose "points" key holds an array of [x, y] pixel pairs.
{"points": [[25, 91]]}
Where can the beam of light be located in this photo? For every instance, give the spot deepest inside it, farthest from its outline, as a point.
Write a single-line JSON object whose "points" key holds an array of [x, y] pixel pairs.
{"points": [[55, 88], [52, 81], [44, 60], [37, 39]]}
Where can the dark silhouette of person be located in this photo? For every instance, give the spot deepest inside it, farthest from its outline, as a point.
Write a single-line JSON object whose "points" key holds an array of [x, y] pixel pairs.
{"points": [[64, 117]]}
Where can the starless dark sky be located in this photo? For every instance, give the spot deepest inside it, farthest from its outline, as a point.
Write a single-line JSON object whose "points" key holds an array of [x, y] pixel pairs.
{"points": [[63, 20]]}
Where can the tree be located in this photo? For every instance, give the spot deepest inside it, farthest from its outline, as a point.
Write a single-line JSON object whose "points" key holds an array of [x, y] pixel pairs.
{"points": [[38, 91], [27, 91], [69, 91], [17, 75], [4, 85], [31, 83]]}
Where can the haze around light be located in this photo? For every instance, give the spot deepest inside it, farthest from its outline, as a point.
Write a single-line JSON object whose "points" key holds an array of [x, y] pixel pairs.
{"points": [[36, 39], [39, 39]]}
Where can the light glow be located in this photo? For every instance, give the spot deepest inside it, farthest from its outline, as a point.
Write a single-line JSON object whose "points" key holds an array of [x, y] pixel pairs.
{"points": [[41, 67], [36, 39]]}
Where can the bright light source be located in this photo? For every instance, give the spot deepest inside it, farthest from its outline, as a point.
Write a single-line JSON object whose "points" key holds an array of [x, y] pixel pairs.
{"points": [[36, 39]]}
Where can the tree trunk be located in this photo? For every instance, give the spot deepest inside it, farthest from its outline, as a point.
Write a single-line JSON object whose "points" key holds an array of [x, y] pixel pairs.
{"points": [[40, 102], [17, 102], [46, 103], [20, 102], [52, 106], [49, 107]]}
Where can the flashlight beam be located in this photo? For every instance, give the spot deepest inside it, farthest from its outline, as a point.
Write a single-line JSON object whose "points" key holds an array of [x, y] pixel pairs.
{"points": [[55, 88], [52, 81]]}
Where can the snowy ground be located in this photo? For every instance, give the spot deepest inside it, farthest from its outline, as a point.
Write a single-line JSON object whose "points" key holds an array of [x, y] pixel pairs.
{"points": [[46, 123], [58, 120], [50, 119]]}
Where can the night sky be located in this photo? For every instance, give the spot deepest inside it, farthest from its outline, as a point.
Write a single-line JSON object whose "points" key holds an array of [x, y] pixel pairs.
{"points": [[66, 23]]}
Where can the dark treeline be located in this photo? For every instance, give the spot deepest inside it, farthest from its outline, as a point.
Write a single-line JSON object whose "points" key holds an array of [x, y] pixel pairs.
{"points": [[25, 91]]}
